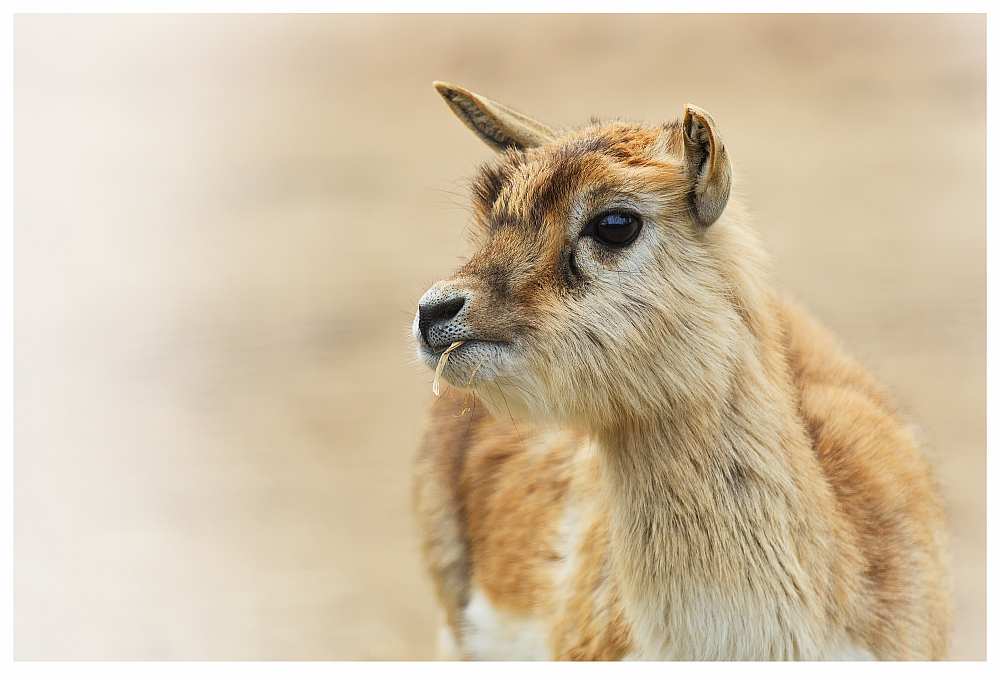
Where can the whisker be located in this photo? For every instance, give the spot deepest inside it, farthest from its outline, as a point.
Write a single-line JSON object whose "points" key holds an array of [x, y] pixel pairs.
{"points": [[512, 418]]}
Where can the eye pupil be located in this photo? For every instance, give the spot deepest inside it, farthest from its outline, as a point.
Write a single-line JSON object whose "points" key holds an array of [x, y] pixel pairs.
{"points": [[616, 229]]}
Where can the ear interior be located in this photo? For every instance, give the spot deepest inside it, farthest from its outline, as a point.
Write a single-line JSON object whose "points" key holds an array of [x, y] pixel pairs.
{"points": [[707, 164], [499, 126]]}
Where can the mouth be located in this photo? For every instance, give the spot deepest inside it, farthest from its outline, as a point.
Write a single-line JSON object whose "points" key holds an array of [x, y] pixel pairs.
{"points": [[471, 361], [439, 349], [432, 354]]}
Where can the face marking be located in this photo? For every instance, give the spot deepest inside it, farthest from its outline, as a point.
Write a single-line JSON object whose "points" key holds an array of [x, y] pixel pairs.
{"points": [[570, 274]]}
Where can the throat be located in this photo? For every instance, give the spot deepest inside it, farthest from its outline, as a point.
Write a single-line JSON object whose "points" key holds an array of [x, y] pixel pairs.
{"points": [[682, 488]]}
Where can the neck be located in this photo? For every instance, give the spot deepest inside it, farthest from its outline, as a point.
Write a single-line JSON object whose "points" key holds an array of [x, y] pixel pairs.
{"points": [[717, 521]]}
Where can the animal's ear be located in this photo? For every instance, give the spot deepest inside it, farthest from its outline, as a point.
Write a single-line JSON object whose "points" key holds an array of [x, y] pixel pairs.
{"points": [[498, 125], [707, 165]]}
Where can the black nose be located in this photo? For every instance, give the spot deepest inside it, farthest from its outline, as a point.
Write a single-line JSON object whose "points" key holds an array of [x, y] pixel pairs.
{"points": [[437, 313]]}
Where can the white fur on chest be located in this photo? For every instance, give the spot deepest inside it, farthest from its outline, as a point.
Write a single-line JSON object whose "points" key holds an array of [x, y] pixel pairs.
{"points": [[706, 625], [494, 635]]}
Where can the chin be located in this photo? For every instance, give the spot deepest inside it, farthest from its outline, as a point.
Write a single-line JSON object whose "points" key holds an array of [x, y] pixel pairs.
{"points": [[496, 373]]}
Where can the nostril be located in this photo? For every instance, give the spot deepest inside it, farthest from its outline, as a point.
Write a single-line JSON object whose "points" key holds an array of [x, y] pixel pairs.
{"points": [[439, 312]]}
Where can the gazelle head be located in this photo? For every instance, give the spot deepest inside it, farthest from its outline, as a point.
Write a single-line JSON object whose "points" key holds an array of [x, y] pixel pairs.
{"points": [[601, 291]]}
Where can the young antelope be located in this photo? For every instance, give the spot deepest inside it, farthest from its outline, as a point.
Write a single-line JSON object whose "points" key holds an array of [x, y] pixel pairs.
{"points": [[660, 457]]}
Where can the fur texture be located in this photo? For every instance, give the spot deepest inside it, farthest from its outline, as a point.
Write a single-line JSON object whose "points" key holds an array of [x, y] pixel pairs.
{"points": [[665, 459]]}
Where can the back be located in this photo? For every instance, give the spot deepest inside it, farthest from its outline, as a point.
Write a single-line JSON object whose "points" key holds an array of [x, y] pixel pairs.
{"points": [[882, 481]]}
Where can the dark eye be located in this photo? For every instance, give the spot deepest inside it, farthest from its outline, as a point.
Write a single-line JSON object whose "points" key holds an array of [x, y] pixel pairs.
{"points": [[617, 229]]}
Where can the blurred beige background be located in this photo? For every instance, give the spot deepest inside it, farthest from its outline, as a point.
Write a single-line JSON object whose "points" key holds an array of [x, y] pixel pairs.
{"points": [[222, 225]]}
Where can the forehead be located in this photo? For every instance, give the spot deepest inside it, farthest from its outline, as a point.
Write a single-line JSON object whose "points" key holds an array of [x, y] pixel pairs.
{"points": [[531, 187]]}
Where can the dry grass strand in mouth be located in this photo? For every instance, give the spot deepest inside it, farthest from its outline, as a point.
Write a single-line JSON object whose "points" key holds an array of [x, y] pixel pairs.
{"points": [[468, 388], [444, 359]]}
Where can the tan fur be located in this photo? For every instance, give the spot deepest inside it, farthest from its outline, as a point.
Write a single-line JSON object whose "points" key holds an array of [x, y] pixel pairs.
{"points": [[665, 459]]}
